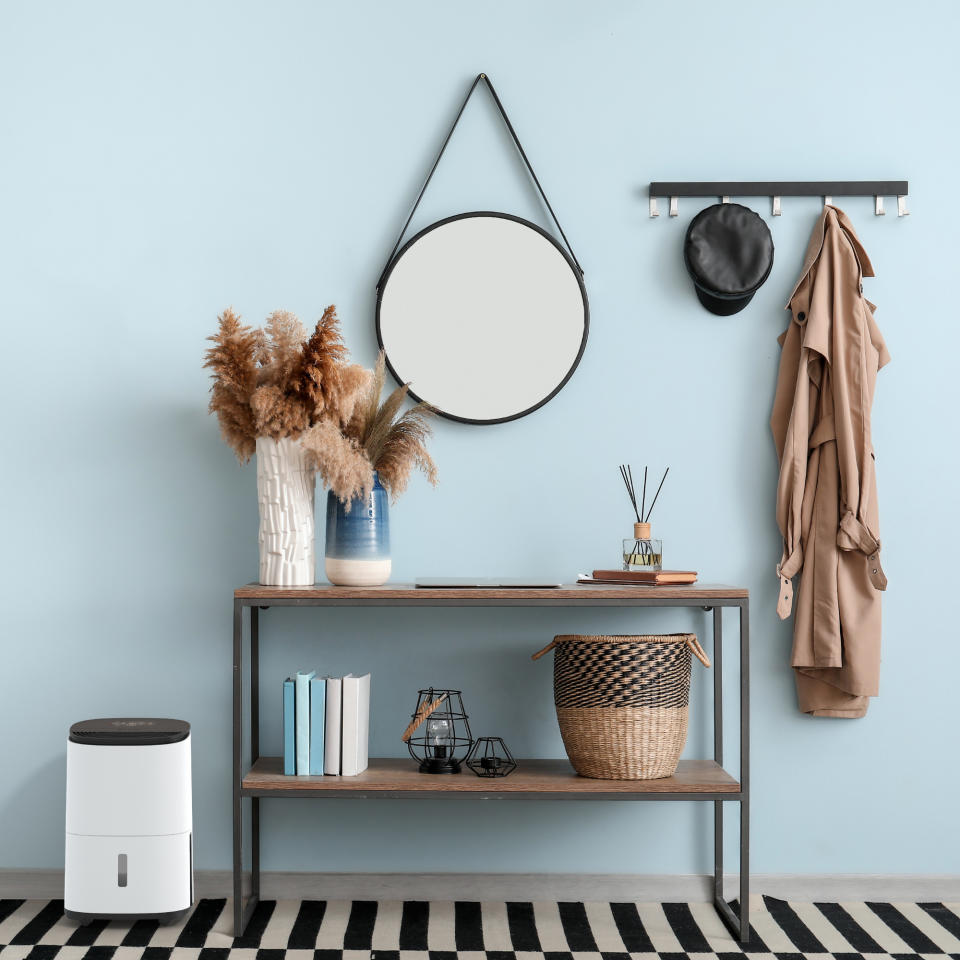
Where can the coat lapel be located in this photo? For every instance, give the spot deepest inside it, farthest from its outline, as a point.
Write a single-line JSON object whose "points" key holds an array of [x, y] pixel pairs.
{"points": [[815, 246], [813, 252]]}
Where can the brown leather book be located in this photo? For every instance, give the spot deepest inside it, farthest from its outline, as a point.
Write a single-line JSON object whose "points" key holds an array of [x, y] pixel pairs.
{"points": [[656, 577]]}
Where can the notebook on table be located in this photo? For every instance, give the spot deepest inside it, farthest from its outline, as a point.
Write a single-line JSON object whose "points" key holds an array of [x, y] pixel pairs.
{"points": [[655, 578]]}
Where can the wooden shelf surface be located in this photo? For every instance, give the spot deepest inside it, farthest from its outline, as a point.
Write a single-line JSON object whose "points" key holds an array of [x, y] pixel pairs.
{"points": [[578, 593], [399, 778]]}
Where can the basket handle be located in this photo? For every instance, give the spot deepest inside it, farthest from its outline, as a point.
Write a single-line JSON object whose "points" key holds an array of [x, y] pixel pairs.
{"points": [[422, 713], [546, 649], [694, 644]]}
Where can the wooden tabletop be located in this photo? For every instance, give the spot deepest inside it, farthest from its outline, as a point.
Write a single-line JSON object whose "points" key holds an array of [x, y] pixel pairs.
{"points": [[582, 593], [399, 777]]}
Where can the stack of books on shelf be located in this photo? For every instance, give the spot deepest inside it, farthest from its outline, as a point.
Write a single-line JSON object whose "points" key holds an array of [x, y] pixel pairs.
{"points": [[326, 724]]}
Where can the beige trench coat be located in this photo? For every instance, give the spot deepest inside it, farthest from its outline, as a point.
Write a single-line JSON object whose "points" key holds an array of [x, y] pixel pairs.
{"points": [[827, 496]]}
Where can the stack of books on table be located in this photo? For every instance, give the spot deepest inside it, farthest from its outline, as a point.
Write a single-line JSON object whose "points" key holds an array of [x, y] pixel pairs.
{"points": [[326, 724]]}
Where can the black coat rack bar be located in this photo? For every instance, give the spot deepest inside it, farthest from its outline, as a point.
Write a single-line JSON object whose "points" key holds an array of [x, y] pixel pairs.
{"points": [[775, 189]]}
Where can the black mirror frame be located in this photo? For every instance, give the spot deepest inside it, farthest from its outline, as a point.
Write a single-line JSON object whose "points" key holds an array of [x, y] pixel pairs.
{"points": [[566, 256]]}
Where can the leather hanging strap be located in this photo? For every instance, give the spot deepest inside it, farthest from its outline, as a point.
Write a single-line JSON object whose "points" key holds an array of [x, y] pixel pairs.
{"points": [[436, 163]]}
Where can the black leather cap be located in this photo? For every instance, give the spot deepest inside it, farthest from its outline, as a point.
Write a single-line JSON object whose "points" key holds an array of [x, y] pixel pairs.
{"points": [[728, 253]]}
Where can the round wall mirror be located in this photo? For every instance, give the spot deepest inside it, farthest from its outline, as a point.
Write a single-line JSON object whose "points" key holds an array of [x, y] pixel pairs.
{"points": [[485, 315]]}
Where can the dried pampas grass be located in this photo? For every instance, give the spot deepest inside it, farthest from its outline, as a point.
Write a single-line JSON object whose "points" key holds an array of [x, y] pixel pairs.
{"points": [[395, 443], [354, 384], [258, 375], [405, 448], [276, 414], [275, 382], [365, 410], [232, 362], [343, 466], [321, 366], [283, 357], [382, 423]]}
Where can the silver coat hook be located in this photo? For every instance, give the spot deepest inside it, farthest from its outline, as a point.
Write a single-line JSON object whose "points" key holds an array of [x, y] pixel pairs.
{"points": [[878, 207], [828, 201], [654, 212], [673, 207], [724, 199], [902, 210], [776, 206]]}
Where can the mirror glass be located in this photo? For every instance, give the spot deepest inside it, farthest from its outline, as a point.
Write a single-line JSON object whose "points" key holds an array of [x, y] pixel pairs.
{"points": [[485, 315]]}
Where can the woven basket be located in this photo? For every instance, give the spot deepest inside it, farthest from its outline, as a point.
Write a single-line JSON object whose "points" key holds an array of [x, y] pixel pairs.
{"points": [[622, 702]]}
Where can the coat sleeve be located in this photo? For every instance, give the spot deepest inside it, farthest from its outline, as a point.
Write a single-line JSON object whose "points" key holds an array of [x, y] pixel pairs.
{"points": [[853, 349], [790, 423]]}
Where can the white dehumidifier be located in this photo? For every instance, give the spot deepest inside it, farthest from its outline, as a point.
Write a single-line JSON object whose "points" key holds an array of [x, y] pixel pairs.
{"points": [[129, 849]]}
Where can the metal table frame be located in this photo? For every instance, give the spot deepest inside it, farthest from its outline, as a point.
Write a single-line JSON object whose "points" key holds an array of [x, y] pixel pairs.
{"points": [[737, 921]]}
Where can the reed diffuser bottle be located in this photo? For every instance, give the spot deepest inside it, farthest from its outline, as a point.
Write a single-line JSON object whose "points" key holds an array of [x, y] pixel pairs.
{"points": [[641, 552]]}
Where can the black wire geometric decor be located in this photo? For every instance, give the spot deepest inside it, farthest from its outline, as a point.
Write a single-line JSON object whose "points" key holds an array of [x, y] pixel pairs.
{"points": [[445, 738], [489, 757]]}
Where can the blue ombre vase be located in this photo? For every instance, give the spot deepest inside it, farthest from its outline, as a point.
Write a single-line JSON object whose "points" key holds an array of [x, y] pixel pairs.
{"points": [[358, 540]]}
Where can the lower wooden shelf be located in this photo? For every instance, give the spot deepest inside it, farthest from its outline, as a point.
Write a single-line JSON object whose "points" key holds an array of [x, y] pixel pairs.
{"points": [[398, 778]]}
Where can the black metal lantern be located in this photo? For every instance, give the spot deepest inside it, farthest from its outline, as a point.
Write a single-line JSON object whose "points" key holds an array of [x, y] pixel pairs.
{"points": [[443, 736], [489, 757]]}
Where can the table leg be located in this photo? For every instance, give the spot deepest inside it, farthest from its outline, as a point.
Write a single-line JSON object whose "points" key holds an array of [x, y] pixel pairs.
{"points": [[744, 771], [243, 908], [718, 749], [237, 767], [738, 923], [255, 749]]}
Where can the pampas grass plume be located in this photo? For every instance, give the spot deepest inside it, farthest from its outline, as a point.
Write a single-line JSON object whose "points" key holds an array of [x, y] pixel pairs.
{"points": [[275, 382]]}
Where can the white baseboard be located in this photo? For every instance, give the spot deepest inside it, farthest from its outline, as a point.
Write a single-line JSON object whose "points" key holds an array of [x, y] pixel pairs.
{"points": [[48, 884]]}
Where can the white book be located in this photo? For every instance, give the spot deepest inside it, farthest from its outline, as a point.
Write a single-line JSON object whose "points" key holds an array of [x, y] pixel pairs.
{"points": [[303, 720], [332, 722], [356, 724]]}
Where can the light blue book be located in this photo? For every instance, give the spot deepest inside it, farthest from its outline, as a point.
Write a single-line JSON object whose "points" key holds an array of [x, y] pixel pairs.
{"points": [[303, 721], [289, 752], [318, 707]]}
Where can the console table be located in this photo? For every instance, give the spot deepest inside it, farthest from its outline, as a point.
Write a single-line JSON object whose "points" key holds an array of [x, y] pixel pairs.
{"points": [[694, 780]]}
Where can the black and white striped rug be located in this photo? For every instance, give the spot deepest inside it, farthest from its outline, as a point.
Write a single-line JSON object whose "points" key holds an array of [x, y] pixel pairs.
{"points": [[445, 930]]}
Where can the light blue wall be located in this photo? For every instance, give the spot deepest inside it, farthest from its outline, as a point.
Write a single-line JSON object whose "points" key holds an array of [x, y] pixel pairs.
{"points": [[159, 162]]}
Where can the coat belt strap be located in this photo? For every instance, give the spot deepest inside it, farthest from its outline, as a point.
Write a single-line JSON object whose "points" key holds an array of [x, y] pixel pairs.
{"points": [[787, 569], [853, 535]]}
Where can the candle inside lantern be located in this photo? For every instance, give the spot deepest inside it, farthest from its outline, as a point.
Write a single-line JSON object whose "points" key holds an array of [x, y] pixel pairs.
{"points": [[440, 737], [489, 757]]}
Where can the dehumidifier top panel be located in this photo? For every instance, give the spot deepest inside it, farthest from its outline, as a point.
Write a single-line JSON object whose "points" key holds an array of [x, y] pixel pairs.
{"points": [[129, 731]]}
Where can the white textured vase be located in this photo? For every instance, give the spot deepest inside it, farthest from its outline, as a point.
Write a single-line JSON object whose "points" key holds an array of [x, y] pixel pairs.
{"points": [[285, 491]]}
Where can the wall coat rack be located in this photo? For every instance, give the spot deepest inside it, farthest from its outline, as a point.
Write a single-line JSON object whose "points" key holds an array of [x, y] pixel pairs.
{"points": [[775, 189]]}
